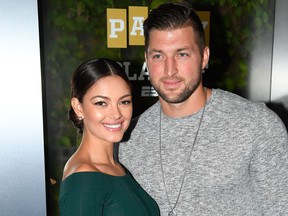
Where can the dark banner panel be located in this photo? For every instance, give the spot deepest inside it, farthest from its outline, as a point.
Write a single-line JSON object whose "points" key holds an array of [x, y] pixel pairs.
{"points": [[74, 31]]}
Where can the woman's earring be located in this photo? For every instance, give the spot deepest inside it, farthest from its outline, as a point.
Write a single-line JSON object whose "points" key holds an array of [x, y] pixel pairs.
{"points": [[80, 118]]}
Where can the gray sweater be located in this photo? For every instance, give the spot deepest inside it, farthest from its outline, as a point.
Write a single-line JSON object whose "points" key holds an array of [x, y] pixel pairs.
{"points": [[238, 166]]}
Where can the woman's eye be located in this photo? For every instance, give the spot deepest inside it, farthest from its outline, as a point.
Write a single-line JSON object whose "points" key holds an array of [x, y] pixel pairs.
{"points": [[100, 103], [126, 102]]}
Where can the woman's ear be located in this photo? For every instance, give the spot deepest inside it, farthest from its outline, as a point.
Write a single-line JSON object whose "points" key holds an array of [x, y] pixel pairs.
{"points": [[77, 107]]}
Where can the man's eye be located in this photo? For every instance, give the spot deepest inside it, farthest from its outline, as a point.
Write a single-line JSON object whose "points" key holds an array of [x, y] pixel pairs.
{"points": [[156, 57], [182, 54]]}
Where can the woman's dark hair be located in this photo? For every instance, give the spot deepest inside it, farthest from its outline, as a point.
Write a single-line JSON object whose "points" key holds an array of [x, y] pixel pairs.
{"points": [[172, 16], [85, 76]]}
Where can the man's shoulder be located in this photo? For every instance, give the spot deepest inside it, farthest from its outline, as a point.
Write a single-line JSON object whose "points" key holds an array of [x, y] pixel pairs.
{"points": [[242, 108], [233, 102], [227, 96]]}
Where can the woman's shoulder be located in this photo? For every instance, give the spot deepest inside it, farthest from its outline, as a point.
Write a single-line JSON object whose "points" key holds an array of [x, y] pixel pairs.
{"points": [[81, 182], [76, 165]]}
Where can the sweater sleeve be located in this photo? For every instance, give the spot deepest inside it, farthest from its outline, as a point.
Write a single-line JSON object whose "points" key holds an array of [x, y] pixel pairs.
{"points": [[269, 164]]}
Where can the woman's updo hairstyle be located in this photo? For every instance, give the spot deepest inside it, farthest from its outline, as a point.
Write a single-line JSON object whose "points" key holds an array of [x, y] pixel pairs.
{"points": [[85, 76]]}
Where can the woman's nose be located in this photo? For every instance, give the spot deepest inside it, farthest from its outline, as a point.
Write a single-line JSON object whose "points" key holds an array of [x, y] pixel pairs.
{"points": [[115, 112]]}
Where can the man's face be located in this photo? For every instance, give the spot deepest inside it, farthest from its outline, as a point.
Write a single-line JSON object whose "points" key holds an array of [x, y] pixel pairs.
{"points": [[175, 63]]}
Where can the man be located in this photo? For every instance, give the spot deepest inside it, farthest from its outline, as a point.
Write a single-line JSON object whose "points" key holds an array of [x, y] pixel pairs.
{"points": [[201, 151]]}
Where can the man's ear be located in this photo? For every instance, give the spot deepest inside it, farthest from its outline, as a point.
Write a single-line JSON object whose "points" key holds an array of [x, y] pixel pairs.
{"points": [[206, 56], [77, 107]]}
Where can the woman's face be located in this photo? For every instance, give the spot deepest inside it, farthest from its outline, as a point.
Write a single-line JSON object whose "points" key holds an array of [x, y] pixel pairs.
{"points": [[106, 109]]}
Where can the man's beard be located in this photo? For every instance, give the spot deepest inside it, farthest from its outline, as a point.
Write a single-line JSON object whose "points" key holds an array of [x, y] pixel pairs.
{"points": [[183, 95]]}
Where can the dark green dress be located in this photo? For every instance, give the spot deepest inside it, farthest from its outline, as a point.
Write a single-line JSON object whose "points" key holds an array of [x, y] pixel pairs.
{"points": [[94, 193]]}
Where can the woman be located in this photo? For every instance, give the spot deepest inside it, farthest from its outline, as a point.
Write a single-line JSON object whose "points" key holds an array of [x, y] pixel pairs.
{"points": [[94, 183]]}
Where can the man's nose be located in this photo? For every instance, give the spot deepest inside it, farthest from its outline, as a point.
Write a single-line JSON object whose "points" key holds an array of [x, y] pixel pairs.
{"points": [[170, 66]]}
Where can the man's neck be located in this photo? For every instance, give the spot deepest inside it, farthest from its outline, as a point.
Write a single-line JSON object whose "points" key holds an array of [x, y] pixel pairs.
{"points": [[192, 105]]}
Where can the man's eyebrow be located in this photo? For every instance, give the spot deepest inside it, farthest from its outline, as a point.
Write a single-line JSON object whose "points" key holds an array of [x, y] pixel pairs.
{"points": [[178, 50], [155, 50], [183, 49]]}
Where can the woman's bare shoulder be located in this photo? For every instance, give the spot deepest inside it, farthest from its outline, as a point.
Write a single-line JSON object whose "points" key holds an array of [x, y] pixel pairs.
{"points": [[75, 164]]}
